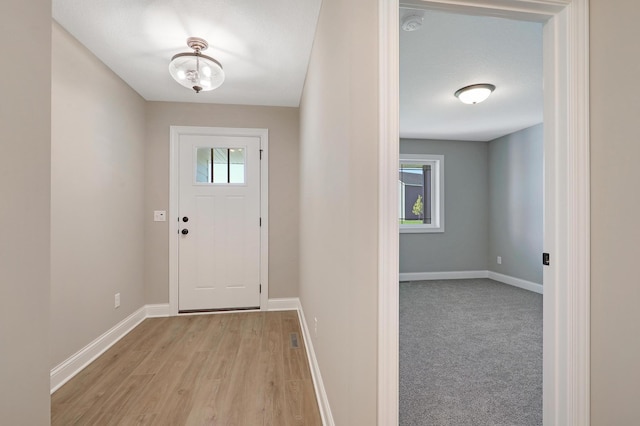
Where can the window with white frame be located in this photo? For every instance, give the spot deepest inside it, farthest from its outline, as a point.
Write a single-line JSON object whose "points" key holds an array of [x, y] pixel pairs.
{"points": [[421, 190]]}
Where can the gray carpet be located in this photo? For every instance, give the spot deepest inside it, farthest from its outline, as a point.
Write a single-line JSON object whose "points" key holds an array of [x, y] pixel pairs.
{"points": [[470, 354]]}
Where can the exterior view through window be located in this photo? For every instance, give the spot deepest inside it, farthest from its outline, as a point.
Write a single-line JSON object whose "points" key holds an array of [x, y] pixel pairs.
{"points": [[415, 193], [220, 165], [421, 193]]}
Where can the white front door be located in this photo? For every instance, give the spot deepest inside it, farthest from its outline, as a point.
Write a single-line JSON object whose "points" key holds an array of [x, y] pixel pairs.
{"points": [[218, 222]]}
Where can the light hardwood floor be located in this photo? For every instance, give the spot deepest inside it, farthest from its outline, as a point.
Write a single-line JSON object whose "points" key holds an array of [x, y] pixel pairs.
{"points": [[224, 369]]}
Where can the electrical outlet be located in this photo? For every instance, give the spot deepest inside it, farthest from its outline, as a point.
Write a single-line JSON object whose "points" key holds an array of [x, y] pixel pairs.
{"points": [[117, 300], [315, 326], [499, 260], [159, 216]]}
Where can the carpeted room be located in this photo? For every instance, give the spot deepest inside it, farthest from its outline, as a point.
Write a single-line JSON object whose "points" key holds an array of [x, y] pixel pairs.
{"points": [[470, 353], [471, 285]]}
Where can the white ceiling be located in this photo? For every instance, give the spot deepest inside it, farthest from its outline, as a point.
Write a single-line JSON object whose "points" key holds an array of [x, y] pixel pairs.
{"points": [[264, 46], [452, 51]]}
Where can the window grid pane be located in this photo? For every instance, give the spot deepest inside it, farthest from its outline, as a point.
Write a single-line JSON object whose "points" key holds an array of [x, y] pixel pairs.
{"points": [[220, 165]]}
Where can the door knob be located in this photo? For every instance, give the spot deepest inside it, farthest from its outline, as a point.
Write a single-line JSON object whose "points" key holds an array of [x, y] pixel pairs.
{"points": [[185, 231], [185, 219]]}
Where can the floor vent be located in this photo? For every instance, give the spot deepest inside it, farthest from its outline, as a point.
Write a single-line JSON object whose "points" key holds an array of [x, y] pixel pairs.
{"points": [[293, 340]]}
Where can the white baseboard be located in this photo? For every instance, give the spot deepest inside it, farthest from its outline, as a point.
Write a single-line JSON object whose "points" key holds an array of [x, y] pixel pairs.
{"points": [[64, 371], [318, 384], [158, 310], [461, 275], [287, 304], [445, 275], [516, 282]]}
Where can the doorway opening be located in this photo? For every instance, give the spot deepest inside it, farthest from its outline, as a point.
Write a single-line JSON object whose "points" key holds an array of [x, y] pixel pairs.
{"points": [[566, 142], [470, 294]]}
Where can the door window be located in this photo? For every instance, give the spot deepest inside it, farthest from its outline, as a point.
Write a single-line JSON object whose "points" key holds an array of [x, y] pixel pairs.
{"points": [[220, 165]]}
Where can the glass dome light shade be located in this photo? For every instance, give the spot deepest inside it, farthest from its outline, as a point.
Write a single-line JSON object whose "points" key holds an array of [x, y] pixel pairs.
{"points": [[475, 93], [196, 71]]}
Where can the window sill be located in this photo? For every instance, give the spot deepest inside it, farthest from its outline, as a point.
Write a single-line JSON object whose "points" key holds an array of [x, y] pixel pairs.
{"points": [[421, 230]]}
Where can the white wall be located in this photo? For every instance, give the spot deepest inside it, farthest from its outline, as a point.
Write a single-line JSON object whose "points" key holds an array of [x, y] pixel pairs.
{"points": [[97, 175], [338, 205], [283, 125], [615, 209], [25, 112]]}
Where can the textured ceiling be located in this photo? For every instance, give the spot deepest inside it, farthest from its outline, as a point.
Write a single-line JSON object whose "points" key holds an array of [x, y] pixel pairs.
{"points": [[452, 51], [264, 46]]}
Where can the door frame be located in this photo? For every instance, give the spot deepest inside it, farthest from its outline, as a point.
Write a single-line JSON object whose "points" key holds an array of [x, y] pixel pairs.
{"points": [[174, 167], [566, 311]]}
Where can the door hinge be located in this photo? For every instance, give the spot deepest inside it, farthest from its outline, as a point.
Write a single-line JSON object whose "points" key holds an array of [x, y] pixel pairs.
{"points": [[260, 221], [260, 288], [261, 154], [545, 259]]}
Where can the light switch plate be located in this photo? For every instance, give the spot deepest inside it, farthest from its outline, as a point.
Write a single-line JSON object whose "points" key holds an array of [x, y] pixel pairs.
{"points": [[159, 216]]}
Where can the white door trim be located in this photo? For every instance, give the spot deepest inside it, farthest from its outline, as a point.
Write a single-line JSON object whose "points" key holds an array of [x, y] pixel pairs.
{"points": [[566, 306], [175, 132]]}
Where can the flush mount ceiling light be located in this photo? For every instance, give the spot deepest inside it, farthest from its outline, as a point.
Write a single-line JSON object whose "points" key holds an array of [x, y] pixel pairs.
{"points": [[475, 93], [194, 70]]}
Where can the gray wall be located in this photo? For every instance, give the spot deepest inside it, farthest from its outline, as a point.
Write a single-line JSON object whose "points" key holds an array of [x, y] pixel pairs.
{"points": [[97, 170], [338, 213], [25, 117], [493, 207], [516, 204], [463, 245], [283, 125], [615, 207]]}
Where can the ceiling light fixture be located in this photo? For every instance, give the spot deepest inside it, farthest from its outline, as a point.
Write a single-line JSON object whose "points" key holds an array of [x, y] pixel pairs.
{"points": [[475, 93], [194, 70]]}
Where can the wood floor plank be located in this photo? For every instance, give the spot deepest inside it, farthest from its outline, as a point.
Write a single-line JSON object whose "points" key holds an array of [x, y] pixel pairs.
{"points": [[275, 406], [152, 398], [228, 349], [145, 336], [94, 371], [223, 369], [140, 420], [273, 333], [168, 343], [302, 405], [236, 389], [206, 403], [109, 412], [254, 386], [295, 401], [217, 325], [178, 402], [96, 392], [295, 358]]}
